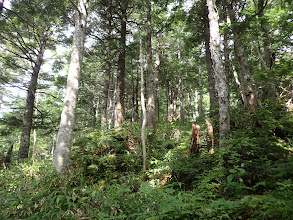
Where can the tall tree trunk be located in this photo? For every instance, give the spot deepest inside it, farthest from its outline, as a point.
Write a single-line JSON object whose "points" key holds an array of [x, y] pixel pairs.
{"points": [[151, 113], [220, 76], [29, 107], [144, 114], [200, 90], [156, 82], [226, 50], [181, 108], [167, 98], [266, 41], [250, 100], [119, 102], [196, 112], [173, 103], [136, 92], [133, 94], [107, 76], [112, 106], [238, 84], [214, 104], [104, 114], [64, 139], [209, 64], [35, 130], [246, 81]]}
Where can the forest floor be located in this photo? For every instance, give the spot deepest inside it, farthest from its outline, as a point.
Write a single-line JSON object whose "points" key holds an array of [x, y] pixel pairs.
{"points": [[249, 179]]}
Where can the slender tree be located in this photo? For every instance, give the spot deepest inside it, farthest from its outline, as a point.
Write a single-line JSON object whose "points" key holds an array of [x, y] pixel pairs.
{"points": [[64, 139], [220, 76], [29, 107], [151, 113], [143, 107]]}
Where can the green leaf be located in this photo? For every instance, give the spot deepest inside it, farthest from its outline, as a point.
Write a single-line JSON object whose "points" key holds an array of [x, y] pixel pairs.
{"points": [[60, 197], [230, 178], [242, 171], [233, 171], [83, 199]]}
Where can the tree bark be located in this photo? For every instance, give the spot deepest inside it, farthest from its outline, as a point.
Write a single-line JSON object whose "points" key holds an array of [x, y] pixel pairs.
{"points": [[143, 107], [156, 82], [238, 84], [200, 90], [133, 94], [105, 115], [209, 64], [266, 41], [119, 102], [29, 107], [107, 76], [196, 112], [250, 100], [181, 108], [226, 50], [136, 98], [214, 104], [220, 76], [8, 155], [151, 113], [35, 130], [64, 139]]}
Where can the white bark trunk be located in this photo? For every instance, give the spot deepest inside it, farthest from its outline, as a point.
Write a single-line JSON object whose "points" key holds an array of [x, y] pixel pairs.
{"points": [[220, 76], [64, 139], [151, 113], [144, 116]]}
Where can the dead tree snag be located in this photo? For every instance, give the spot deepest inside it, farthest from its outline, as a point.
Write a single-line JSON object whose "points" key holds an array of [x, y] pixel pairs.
{"points": [[195, 139]]}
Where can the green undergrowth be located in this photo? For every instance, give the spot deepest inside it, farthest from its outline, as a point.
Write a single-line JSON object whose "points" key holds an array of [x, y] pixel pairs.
{"points": [[252, 178]]}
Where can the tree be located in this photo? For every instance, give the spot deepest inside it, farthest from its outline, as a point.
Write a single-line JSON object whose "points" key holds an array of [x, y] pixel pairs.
{"points": [[119, 102], [27, 32], [246, 81], [220, 76], [29, 107], [209, 63], [64, 139], [151, 113], [142, 96]]}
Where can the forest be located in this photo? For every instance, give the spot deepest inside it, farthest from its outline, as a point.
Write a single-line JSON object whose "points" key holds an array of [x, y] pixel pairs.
{"points": [[126, 109]]}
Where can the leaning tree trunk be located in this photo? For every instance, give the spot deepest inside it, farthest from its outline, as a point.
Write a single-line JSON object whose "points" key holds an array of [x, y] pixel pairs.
{"points": [[119, 102], [29, 107], [151, 113], [220, 76], [64, 139]]}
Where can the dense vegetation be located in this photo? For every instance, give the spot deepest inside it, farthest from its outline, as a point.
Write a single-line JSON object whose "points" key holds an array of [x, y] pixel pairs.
{"points": [[247, 175]]}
